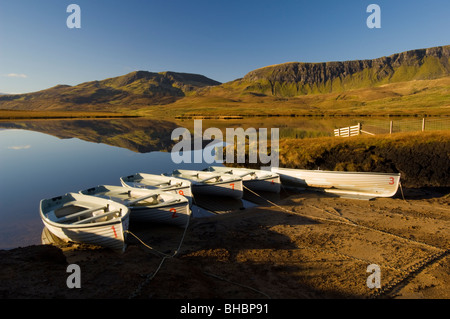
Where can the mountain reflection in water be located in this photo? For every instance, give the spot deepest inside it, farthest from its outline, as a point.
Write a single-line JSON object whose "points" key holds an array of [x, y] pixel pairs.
{"points": [[136, 134]]}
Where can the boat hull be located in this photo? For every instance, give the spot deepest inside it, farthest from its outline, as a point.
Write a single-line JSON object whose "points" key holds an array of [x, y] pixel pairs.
{"points": [[232, 189], [342, 183], [110, 236], [103, 232], [146, 205], [211, 183], [176, 214], [269, 184]]}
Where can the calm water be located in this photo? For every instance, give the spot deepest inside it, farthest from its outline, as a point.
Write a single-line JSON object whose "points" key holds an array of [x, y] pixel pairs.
{"points": [[34, 166], [47, 158]]}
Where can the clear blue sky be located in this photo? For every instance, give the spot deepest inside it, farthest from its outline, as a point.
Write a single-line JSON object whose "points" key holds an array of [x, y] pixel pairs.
{"points": [[222, 40]]}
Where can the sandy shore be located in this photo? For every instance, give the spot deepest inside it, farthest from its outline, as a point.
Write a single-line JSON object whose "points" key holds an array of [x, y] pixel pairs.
{"points": [[308, 246]]}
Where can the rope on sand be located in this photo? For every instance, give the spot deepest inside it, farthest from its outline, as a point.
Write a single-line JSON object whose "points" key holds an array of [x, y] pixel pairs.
{"points": [[405, 274], [346, 222], [150, 276], [237, 284]]}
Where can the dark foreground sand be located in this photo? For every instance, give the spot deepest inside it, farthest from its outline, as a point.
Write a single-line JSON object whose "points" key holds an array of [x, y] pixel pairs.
{"points": [[311, 246]]}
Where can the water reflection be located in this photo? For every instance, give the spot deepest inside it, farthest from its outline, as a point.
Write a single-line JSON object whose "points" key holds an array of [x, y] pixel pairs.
{"points": [[46, 158], [136, 134], [144, 135], [34, 166]]}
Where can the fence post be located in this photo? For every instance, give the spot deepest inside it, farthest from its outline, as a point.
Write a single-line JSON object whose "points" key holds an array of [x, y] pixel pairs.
{"points": [[391, 125], [423, 124]]}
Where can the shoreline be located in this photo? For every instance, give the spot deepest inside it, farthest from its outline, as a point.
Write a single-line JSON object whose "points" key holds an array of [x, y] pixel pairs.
{"points": [[7, 115], [418, 193], [308, 247]]}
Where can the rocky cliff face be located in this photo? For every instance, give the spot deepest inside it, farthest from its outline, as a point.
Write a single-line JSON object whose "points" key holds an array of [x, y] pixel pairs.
{"points": [[296, 78]]}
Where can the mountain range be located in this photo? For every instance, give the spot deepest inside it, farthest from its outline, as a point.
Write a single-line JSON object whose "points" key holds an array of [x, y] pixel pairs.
{"points": [[134, 90], [417, 79], [293, 79]]}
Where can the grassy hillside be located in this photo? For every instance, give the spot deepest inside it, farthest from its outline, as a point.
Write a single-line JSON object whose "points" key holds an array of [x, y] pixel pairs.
{"points": [[415, 82], [418, 97], [410, 83], [131, 91]]}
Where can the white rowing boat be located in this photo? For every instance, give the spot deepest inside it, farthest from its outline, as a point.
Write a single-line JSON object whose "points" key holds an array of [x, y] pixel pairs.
{"points": [[86, 219], [363, 184], [210, 183], [254, 179], [147, 205], [159, 182]]}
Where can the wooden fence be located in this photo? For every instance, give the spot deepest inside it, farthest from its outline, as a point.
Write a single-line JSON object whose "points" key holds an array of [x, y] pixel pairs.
{"points": [[373, 127], [350, 131]]}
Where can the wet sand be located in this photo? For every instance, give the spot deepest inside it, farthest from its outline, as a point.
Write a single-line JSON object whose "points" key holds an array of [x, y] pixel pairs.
{"points": [[309, 246]]}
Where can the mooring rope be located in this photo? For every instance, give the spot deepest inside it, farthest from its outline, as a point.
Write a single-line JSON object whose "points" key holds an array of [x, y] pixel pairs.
{"points": [[401, 189], [160, 252], [346, 222], [237, 284], [405, 273], [150, 276]]}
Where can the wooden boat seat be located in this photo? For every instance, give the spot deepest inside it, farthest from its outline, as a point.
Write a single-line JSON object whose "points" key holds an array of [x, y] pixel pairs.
{"points": [[141, 184], [90, 219], [217, 177], [171, 202], [137, 200], [171, 186], [79, 213]]}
